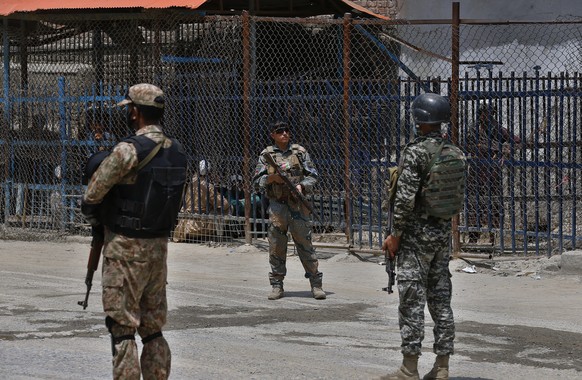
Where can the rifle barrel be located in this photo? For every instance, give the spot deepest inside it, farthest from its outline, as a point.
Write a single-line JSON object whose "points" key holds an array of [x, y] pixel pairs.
{"points": [[93, 263]]}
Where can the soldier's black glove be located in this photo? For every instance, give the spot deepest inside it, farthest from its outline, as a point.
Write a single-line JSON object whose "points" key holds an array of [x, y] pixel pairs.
{"points": [[91, 213]]}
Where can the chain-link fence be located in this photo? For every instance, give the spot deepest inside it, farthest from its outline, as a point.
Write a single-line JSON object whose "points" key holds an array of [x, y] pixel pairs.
{"points": [[343, 85]]}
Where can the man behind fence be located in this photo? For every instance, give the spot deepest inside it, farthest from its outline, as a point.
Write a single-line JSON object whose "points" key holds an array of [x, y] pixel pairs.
{"points": [[488, 143], [136, 193], [421, 240], [286, 212]]}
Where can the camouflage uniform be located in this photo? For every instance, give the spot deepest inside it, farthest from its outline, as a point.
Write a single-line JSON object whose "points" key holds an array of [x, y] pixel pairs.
{"points": [[423, 258], [134, 274], [288, 214]]}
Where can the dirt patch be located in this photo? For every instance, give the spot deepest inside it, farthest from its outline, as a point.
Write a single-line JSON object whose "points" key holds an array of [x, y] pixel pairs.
{"points": [[508, 266], [529, 346], [220, 316]]}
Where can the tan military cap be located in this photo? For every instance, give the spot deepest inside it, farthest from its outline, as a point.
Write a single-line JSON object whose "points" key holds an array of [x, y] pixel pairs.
{"points": [[144, 94]]}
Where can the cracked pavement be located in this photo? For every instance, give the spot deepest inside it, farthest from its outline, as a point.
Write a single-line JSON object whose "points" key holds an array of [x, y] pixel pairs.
{"points": [[221, 325]]}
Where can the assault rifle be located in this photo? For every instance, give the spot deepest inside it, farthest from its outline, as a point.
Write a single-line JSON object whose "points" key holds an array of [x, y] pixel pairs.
{"points": [[391, 270], [97, 234], [296, 193], [391, 262]]}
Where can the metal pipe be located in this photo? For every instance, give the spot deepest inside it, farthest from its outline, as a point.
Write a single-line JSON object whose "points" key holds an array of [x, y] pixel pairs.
{"points": [[347, 27], [454, 99], [6, 74], [246, 41]]}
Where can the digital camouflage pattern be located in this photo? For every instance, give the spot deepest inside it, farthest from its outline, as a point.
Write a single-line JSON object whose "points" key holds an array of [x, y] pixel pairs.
{"points": [[134, 274], [287, 214], [423, 258]]}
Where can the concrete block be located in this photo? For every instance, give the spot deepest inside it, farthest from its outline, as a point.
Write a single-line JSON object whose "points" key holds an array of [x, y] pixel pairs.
{"points": [[571, 262]]}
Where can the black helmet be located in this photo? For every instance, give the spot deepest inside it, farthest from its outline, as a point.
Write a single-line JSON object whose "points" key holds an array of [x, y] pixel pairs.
{"points": [[431, 109]]}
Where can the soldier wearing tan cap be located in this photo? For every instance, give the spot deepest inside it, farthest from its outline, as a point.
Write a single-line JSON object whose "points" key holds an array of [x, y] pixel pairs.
{"points": [[136, 193]]}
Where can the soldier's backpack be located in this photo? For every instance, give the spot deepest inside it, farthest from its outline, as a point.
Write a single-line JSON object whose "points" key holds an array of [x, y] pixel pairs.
{"points": [[442, 192]]}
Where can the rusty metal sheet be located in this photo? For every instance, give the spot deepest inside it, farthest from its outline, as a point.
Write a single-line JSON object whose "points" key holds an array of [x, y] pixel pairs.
{"points": [[8, 7]]}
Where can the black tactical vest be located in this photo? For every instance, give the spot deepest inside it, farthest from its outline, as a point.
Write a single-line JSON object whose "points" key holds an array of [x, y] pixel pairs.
{"points": [[149, 207]]}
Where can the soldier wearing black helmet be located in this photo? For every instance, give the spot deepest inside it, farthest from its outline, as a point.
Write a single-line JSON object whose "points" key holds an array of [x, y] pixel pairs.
{"points": [[420, 242]]}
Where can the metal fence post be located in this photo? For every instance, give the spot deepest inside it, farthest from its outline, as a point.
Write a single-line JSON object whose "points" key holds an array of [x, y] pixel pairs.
{"points": [[454, 99], [64, 139], [347, 25], [246, 74], [6, 118]]}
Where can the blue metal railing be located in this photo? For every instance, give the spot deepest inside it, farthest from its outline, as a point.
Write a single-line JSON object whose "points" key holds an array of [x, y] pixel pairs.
{"points": [[540, 176]]}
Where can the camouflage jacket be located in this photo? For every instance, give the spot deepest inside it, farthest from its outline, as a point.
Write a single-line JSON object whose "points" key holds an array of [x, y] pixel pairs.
{"points": [[414, 162], [117, 168]]}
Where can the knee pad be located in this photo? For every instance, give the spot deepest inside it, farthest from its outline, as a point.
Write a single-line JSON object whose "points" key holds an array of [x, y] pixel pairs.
{"points": [[111, 324]]}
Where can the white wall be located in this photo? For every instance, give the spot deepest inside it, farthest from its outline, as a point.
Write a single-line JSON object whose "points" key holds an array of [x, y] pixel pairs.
{"points": [[521, 48], [492, 9]]}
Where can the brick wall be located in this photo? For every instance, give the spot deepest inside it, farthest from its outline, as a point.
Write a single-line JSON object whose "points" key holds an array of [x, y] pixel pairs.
{"points": [[384, 7]]}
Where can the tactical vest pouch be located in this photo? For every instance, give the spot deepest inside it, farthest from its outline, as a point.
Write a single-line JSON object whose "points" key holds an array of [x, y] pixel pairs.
{"points": [[164, 190], [161, 190], [292, 167], [442, 194]]}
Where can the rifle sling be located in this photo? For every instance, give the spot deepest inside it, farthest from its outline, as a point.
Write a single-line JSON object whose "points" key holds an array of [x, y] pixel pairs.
{"points": [[150, 156]]}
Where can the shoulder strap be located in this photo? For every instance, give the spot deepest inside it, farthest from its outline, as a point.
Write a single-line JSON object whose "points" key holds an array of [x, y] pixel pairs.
{"points": [[151, 155], [135, 139], [434, 158]]}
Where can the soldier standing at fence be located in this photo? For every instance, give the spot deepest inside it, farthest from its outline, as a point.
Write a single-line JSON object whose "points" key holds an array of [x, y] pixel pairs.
{"points": [[421, 243], [488, 145], [286, 213], [124, 195]]}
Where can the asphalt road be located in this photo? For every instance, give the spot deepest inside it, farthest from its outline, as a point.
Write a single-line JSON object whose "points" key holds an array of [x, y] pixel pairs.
{"points": [[221, 325]]}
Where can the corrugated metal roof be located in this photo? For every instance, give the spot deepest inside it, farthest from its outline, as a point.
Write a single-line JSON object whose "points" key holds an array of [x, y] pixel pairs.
{"points": [[8, 7]]}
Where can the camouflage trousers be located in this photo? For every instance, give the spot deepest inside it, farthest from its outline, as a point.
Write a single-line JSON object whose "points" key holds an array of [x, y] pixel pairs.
{"points": [[424, 279], [134, 297], [284, 218]]}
